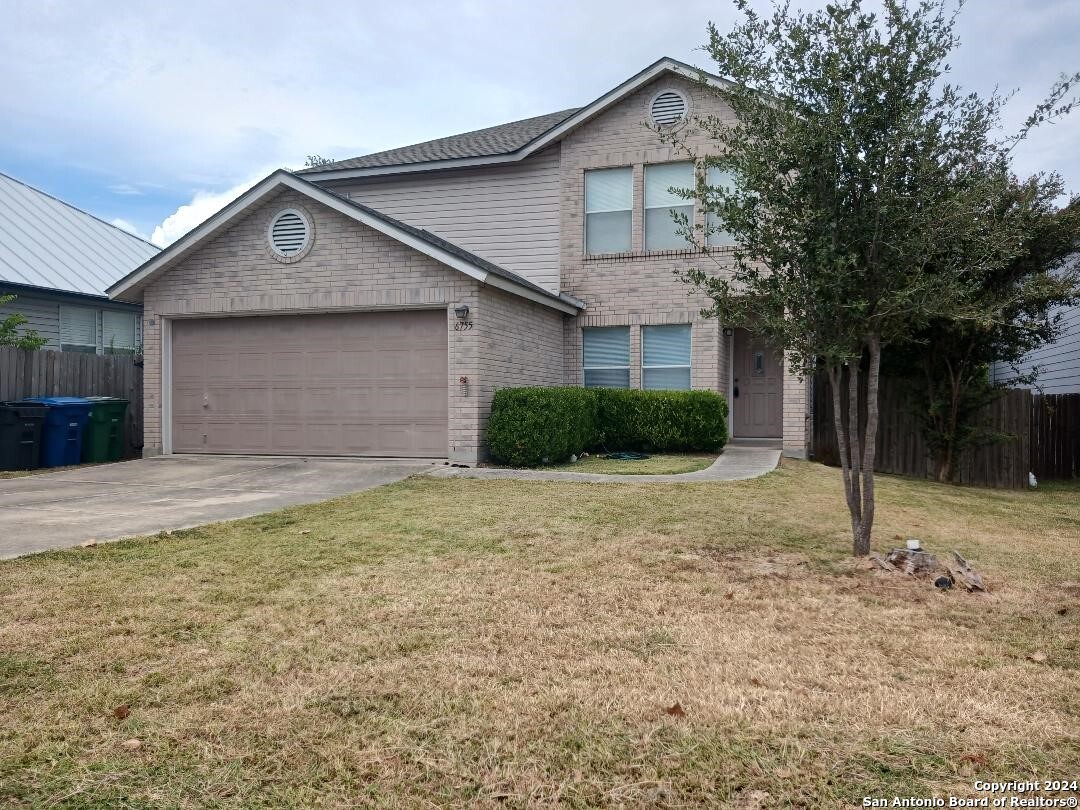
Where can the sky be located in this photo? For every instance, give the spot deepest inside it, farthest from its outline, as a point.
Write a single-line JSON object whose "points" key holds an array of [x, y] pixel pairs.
{"points": [[154, 115]]}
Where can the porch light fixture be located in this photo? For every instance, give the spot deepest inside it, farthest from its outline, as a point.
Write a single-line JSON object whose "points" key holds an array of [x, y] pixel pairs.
{"points": [[462, 311], [728, 331]]}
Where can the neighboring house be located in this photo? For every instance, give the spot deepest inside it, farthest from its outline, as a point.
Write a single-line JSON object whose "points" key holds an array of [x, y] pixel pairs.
{"points": [[1057, 364], [59, 261], [373, 306]]}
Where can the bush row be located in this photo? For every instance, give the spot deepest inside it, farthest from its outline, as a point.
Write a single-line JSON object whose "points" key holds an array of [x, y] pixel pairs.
{"points": [[533, 426]]}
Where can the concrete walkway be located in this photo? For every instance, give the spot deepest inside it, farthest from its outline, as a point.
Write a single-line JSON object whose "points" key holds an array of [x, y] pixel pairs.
{"points": [[739, 461], [109, 501]]}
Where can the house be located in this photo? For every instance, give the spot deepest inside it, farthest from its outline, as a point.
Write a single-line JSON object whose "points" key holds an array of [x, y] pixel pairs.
{"points": [[373, 306], [1057, 364], [58, 260]]}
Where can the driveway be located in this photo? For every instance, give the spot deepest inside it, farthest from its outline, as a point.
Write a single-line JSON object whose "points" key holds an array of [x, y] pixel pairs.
{"points": [[107, 502]]}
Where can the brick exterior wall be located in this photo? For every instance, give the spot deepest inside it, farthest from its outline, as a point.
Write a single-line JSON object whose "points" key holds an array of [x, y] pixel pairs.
{"points": [[350, 267], [640, 288]]}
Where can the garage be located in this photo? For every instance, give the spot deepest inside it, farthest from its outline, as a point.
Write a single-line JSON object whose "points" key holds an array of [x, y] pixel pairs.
{"points": [[370, 383]]}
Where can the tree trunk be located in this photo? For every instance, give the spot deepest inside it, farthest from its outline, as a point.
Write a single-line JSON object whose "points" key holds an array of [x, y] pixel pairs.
{"points": [[857, 443]]}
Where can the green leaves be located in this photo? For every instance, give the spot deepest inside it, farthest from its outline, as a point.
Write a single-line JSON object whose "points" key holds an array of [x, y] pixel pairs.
{"points": [[9, 330]]}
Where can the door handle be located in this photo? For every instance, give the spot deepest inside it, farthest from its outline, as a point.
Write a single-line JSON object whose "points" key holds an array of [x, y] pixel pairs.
{"points": [[735, 392]]}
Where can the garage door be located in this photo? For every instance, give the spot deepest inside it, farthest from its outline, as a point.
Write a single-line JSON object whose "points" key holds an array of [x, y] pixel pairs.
{"points": [[356, 384]]}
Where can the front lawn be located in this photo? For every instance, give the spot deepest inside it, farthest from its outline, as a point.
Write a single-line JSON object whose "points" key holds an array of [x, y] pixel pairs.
{"points": [[461, 642], [658, 464]]}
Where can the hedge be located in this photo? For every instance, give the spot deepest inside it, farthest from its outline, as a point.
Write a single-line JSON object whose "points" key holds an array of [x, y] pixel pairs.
{"points": [[533, 426]]}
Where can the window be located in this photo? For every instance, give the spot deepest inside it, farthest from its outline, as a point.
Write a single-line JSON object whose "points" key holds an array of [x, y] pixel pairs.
{"points": [[606, 357], [609, 199], [78, 329], [118, 332], [665, 357], [661, 229], [717, 236]]}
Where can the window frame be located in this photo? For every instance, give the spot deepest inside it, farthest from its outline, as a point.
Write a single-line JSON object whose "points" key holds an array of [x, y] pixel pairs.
{"points": [[82, 348], [629, 210], [585, 368], [646, 208], [106, 348], [689, 365], [712, 219]]}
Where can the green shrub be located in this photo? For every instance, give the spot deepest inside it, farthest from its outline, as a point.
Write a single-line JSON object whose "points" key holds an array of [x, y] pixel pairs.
{"points": [[661, 421], [532, 426]]}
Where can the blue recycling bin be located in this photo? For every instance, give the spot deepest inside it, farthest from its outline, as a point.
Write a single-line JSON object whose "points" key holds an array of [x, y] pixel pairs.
{"points": [[62, 433]]}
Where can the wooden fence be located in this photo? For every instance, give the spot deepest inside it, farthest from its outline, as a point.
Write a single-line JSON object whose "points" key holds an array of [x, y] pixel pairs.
{"points": [[901, 449], [1055, 436], [77, 374]]}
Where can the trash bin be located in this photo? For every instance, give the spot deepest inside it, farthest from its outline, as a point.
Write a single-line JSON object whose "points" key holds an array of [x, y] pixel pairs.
{"points": [[61, 437], [20, 435], [104, 437]]}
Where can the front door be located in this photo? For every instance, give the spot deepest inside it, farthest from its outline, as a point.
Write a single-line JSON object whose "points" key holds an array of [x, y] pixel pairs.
{"points": [[757, 388]]}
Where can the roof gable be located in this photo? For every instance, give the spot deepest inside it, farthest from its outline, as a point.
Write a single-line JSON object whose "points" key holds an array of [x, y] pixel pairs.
{"points": [[131, 286], [516, 140]]}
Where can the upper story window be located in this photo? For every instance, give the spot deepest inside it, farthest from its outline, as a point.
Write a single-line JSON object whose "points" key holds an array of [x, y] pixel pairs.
{"points": [[665, 357], [606, 356], [609, 201], [78, 329], [661, 204], [716, 235]]}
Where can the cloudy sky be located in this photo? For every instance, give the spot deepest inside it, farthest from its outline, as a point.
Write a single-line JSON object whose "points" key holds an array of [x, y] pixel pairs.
{"points": [[155, 114]]}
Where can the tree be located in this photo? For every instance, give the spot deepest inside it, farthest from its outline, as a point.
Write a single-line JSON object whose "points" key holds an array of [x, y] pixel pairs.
{"points": [[318, 162], [9, 330], [853, 163], [948, 361]]}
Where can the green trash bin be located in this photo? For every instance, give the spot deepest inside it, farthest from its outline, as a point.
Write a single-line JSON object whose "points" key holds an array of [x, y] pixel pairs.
{"points": [[104, 437]]}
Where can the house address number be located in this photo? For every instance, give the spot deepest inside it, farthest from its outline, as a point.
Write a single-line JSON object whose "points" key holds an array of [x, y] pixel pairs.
{"points": [[463, 326]]}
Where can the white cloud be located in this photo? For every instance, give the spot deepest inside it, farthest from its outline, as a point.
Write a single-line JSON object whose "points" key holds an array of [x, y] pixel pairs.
{"points": [[131, 228], [203, 205], [125, 189]]}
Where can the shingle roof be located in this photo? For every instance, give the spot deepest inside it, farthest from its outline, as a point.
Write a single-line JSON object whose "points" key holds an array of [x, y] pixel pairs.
{"points": [[45, 242], [497, 140]]}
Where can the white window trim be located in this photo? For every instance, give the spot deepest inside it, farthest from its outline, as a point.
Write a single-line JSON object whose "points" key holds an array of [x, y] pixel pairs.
{"points": [[60, 328], [645, 208], [586, 212], [629, 355], [689, 365]]}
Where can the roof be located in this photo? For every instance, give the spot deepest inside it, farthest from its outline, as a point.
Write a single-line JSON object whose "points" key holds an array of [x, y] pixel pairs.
{"points": [[47, 243], [497, 140], [505, 143], [130, 286]]}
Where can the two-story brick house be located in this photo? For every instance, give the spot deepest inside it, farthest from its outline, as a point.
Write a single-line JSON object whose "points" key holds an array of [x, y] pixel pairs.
{"points": [[373, 306]]}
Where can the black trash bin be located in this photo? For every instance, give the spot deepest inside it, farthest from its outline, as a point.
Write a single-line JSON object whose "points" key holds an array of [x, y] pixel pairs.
{"points": [[20, 435]]}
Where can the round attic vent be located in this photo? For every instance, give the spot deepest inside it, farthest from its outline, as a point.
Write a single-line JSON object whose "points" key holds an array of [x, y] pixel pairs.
{"points": [[289, 232], [668, 109]]}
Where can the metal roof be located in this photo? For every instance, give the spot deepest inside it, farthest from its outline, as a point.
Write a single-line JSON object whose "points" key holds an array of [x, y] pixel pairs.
{"points": [[497, 140], [45, 242]]}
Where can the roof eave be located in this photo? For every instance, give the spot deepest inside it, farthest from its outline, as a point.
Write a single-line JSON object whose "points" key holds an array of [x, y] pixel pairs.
{"points": [[542, 141]]}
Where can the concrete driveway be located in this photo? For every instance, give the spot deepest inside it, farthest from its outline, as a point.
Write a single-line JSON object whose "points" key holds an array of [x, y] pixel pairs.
{"points": [[107, 502]]}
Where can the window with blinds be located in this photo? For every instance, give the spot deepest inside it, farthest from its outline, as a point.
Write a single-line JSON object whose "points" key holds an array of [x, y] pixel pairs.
{"points": [[716, 236], [661, 205], [609, 201], [118, 332], [665, 357], [606, 356], [78, 329]]}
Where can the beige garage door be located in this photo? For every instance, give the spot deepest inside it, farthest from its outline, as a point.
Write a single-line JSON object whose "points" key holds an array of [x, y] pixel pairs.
{"points": [[356, 384]]}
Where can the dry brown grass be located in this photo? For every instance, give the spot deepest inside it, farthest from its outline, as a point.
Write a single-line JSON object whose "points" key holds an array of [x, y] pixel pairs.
{"points": [[490, 643]]}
